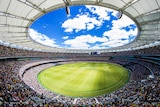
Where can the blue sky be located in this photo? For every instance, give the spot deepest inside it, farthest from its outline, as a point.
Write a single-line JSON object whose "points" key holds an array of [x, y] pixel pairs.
{"points": [[87, 27]]}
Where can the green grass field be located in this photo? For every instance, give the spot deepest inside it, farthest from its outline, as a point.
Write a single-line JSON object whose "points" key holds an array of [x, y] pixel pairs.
{"points": [[84, 79]]}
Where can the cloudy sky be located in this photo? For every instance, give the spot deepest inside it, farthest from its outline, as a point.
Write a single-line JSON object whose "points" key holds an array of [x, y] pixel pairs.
{"points": [[87, 27]]}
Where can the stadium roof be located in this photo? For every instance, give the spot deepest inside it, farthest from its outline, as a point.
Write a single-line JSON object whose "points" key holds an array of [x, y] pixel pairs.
{"points": [[16, 16]]}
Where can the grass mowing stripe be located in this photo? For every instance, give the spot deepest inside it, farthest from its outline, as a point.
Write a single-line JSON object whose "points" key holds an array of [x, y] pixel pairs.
{"points": [[66, 81], [56, 85], [90, 76], [72, 82], [71, 78], [84, 79]]}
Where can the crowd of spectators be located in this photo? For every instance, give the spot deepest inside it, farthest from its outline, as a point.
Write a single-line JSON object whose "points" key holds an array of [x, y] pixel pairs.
{"points": [[136, 93], [138, 68], [14, 92], [13, 52]]}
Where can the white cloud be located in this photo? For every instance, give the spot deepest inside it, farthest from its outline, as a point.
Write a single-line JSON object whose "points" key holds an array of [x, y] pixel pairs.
{"points": [[115, 43], [80, 22], [84, 41], [65, 37], [114, 13], [116, 36], [42, 38], [102, 12], [122, 22], [117, 33], [84, 20], [89, 42]]}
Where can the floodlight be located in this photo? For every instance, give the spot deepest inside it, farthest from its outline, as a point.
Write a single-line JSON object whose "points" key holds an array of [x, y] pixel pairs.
{"points": [[119, 14], [67, 6], [67, 10]]}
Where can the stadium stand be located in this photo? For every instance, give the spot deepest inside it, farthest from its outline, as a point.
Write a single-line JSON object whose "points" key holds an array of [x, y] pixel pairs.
{"points": [[141, 90], [141, 57]]}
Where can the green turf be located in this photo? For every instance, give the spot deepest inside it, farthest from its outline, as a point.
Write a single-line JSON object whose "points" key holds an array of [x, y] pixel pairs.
{"points": [[84, 79]]}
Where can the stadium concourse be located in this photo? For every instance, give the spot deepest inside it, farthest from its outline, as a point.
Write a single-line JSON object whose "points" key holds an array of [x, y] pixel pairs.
{"points": [[21, 57]]}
